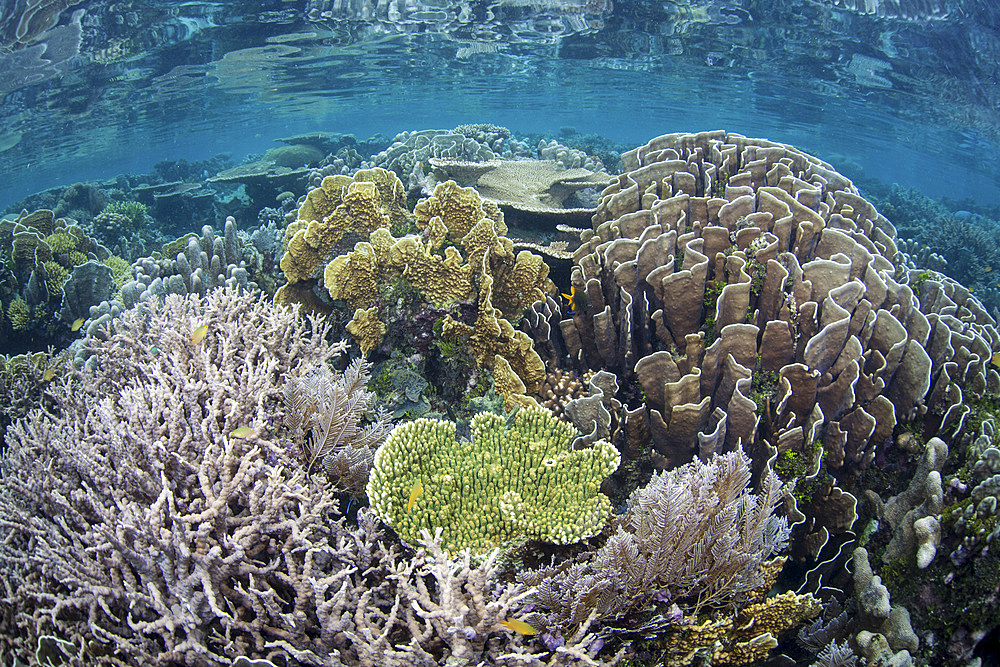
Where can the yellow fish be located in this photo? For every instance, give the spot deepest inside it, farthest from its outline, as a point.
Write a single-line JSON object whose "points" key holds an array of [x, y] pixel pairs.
{"points": [[520, 627], [77, 323], [576, 299], [996, 360], [49, 374], [415, 492], [199, 334], [242, 432]]}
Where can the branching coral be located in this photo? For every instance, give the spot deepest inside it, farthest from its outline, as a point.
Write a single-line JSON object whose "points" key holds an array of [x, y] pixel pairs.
{"points": [[152, 517], [134, 517]]}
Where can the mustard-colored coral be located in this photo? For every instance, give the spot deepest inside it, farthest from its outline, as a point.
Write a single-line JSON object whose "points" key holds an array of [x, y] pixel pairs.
{"points": [[443, 280], [516, 286], [491, 335], [57, 276], [509, 484], [509, 385], [517, 281], [121, 270], [27, 248], [372, 199], [366, 328], [76, 258], [355, 277], [61, 242], [172, 248], [458, 208], [746, 639], [758, 624]]}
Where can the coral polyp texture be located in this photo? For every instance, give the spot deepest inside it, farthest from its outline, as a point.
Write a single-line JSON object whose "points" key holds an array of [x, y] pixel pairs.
{"points": [[508, 484]]}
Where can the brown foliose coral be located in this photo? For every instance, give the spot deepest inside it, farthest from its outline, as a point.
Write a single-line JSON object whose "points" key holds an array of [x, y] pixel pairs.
{"points": [[369, 200], [461, 257]]}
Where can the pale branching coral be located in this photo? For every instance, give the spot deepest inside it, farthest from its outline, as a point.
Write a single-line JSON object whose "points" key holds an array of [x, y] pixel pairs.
{"points": [[151, 517], [136, 520], [510, 483]]}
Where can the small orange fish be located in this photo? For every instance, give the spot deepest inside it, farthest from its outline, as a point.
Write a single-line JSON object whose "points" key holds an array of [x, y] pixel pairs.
{"points": [[48, 374], [242, 432], [199, 334], [520, 627], [415, 492], [576, 299], [77, 323]]}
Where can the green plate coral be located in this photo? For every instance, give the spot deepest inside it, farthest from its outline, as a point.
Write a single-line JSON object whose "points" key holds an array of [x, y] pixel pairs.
{"points": [[508, 484]]}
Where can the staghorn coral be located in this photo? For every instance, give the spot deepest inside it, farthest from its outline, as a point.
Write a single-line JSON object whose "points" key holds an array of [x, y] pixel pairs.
{"points": [[138, 459], [512, 482], [21, 386]]}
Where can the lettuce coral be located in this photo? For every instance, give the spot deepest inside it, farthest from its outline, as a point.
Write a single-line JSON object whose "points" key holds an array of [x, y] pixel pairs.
{"points": [[372, 199]]}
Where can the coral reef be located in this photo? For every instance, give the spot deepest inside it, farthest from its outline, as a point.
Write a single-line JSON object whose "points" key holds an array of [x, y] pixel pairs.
{"points": [[742, 332], [695, 533], [40, 255], [430, 271], [143, 526]]}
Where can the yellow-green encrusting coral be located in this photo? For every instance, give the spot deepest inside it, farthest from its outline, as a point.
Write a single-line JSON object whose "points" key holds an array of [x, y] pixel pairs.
{"points": [[508, 484]]}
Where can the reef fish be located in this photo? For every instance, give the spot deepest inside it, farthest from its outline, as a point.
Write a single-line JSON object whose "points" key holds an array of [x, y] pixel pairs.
{"points": [[77, 323], [576, 300], [520, 627], [996, 360], [199, 334], [49, 374], [415, 492], [242, 432]]}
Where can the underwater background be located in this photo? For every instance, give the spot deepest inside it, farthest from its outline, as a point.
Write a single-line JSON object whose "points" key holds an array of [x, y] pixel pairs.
{"points": [[567, 332]]}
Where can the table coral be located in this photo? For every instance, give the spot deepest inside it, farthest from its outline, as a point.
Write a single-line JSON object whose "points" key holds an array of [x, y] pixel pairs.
{"points": [[509, 484]]}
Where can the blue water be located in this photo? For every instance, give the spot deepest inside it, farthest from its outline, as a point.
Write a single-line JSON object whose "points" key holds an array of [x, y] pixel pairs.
{"points": [[902, 91]]}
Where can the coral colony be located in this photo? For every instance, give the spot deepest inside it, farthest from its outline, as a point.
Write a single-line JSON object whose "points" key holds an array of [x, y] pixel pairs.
{"points": [[712, 413]]}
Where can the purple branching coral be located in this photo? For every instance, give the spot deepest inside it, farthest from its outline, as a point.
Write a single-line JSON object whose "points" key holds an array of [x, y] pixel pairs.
{"points": [[137, 526], [135, 519]]}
